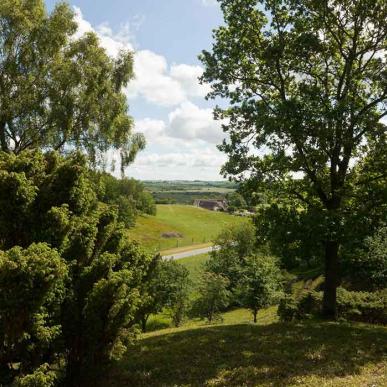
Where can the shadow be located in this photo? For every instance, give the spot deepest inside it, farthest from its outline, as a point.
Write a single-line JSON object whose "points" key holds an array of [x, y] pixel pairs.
{"points": [[247, 355]]}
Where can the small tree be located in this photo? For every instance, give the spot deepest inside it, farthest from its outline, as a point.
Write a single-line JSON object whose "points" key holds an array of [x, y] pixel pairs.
{"points": [[234, 245], [179, 292], [168, 287], [260, 284], [235, 201], [214, 296]]}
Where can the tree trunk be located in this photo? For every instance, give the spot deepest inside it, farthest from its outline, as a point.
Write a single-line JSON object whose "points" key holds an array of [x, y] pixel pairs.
{"points": [[144, 320], [3, 140], [331, 279], [255, 312]]}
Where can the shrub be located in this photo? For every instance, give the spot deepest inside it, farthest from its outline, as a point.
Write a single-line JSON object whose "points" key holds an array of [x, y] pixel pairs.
{"points": [[70, 292], [354, 306]]}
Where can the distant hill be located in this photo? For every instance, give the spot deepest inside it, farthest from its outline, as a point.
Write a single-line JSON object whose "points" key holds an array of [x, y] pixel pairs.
{"points": [[195, 225], [185, 191]]}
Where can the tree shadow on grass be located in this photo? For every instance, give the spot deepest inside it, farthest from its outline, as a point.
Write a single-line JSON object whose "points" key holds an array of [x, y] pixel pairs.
{"points": [[247, 355]]}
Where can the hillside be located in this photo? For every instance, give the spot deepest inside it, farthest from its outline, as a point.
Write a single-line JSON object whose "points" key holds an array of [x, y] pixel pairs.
{"points": [[195, 225], [267, 354]]}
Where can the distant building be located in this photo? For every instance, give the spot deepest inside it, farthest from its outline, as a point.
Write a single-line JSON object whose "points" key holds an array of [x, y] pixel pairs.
{"points": [[212, 205]]}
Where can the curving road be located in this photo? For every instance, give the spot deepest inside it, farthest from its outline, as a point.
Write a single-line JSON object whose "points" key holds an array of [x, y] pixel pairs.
{"points": [[190, 253]]}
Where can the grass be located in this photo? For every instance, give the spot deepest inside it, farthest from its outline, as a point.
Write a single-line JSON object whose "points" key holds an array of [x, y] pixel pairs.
{"points": [[197, 226], [278, 354], [195, 267], [236, 352]]}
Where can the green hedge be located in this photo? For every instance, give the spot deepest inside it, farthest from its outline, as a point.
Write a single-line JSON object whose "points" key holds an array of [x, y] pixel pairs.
{"points": [[354, 306]]}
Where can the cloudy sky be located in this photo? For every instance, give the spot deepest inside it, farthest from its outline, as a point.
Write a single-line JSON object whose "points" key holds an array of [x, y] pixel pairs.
{"points": [[165, 99]]}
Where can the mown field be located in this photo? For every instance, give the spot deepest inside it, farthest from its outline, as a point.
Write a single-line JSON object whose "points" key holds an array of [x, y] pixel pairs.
{"points": [[196, 225], [235, 352]]}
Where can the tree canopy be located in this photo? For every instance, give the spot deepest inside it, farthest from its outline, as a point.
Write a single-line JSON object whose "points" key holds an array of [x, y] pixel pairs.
{"points": [[306, 83], [71, 284], [58, 92]]}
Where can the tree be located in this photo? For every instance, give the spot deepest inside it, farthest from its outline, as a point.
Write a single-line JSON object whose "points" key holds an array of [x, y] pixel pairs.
{"points": [[71, 289], [235, 201], [235, 244], [166, 288], [179, 291], [213, 296], [260, 284], [58, 92], [306, 83], [128, 195]]}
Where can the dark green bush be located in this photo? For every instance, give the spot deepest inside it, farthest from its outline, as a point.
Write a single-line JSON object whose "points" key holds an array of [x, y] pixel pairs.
{"points": [[354, 306]]}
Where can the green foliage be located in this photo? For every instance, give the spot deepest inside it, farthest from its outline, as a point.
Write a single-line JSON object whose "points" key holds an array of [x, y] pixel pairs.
{"points": [[302, 120], [72, 303], [214, 296], [367, 267], [370, 307], [59, 92], [235, 244], [32, 287], [260, 283], [235, 201], [42, 376], [128, 195], [167, 288], [292, 234]]}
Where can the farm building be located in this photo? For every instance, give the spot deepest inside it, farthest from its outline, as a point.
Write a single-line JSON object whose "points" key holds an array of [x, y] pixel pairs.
{"points": [[212, 205]]}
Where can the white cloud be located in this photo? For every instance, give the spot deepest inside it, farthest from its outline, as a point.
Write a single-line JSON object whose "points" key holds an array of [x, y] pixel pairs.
{"points": [[164, 86], [155, 81], [152, 129], [152, 81], [188, 76], [190, 122], [113, 43], [182, 145], [201, 159]]}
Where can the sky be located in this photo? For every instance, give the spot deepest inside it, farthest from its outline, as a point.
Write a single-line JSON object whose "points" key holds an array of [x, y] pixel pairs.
{"points": [[165, 99]]}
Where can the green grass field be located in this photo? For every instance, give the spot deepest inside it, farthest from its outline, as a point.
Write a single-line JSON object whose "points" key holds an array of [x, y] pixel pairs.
{"points": [[195, 224], [311, 354], [235, 352]]}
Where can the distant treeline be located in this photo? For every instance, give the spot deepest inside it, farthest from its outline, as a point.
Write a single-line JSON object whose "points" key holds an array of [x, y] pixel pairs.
{"points": [[185, 185], [184, 197]]}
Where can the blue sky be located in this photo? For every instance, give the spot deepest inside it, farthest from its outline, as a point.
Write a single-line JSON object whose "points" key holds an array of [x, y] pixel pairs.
{"points": [[165, 99]]}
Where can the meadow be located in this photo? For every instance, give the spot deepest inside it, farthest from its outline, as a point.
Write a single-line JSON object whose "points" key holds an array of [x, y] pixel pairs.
{"points": [[196, 226], [235, 352]]}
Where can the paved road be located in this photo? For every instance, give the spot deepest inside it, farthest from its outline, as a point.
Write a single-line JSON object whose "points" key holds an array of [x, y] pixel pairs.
{"points": [[190, 253]]}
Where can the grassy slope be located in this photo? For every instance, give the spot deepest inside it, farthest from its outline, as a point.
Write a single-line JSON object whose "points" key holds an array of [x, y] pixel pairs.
{"points": [[195, 224], [276, 354], [235, 352]]}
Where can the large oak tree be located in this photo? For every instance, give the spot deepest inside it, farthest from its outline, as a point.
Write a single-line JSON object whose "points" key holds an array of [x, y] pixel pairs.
{"points": [[306, 85]]}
